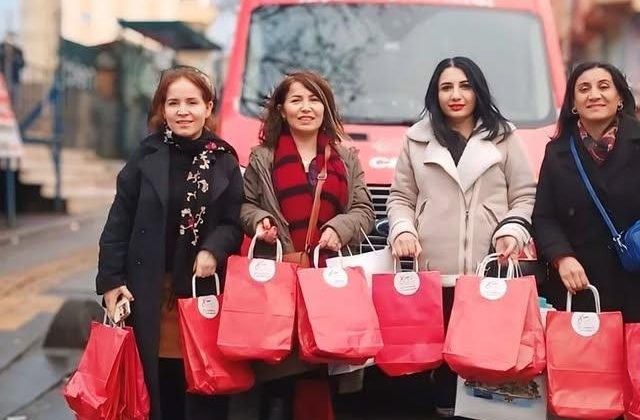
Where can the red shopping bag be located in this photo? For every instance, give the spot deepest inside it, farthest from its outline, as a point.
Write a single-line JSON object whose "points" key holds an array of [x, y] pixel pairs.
{"points": [[632, 351], [495, 332], [135, 394], [257, 320], [94, 390], [336, 316], [312, 400], [207, 370], [585, 366], [409, 307]]}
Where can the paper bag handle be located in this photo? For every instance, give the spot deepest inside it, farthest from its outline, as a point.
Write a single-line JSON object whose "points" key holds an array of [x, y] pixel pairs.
{"points": [[193, 284], [482, 267], [252, 245], [316, 256], [596, 298], [396, 261]]}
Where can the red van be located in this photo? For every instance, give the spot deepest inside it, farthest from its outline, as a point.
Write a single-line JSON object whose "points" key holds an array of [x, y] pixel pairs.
{"points": [[379, 55]]}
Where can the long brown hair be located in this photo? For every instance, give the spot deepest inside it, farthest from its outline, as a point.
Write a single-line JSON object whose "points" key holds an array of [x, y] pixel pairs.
{"points": [[272, 122], [156, 119]]}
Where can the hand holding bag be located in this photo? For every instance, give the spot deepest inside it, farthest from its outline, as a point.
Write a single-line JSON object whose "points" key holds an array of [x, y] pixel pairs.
{"points": [[207, 370], [585, 366], [258, 316], [528, 260]]}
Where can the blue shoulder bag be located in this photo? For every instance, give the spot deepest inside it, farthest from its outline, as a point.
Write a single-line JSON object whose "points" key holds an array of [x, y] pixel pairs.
{"points": [[627, 243]]}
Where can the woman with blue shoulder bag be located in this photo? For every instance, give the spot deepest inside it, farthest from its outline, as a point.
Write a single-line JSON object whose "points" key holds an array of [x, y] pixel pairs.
{"points": [[588, 201]]}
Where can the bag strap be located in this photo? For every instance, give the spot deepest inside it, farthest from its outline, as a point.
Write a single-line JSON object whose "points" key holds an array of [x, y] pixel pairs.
{"points": [[315, 209], [592, 193]]}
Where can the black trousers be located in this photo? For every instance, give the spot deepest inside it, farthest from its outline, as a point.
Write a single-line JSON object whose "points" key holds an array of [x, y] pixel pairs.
{"points": [[177, 404]]}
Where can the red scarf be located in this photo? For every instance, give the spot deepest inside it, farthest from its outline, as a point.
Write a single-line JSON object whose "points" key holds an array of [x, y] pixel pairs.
{"points": [[599, 149], [295, 193]]}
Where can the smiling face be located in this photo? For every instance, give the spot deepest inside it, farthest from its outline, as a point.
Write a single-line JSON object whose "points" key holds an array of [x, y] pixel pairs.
{"points": [[456, 97], [596, 98], [303, 110], [185, 109]]}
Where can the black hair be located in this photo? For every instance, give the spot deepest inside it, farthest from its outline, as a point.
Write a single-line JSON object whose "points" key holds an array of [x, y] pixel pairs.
{"points": [[485, 110], [568, 120]]}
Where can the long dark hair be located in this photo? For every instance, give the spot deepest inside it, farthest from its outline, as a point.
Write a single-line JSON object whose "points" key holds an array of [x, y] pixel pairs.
{"points": [[485, 110], [567, 120], [272, 122]]}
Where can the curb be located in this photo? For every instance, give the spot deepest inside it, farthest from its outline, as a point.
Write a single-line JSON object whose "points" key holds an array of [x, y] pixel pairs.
{"points": [[58, 223]]}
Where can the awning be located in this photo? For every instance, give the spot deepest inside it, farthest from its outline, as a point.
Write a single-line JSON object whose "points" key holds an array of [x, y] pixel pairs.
{"points": [[10, 140], [173, 34], [79, 53]]}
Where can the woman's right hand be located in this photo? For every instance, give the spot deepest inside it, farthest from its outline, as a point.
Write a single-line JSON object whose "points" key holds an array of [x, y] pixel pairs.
{"points": [[266, 231], [406, 245], [113, 296], [572, 274]]}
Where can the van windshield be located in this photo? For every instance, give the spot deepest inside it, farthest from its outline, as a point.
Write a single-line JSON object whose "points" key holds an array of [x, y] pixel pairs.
{"points": [[379, 57]]}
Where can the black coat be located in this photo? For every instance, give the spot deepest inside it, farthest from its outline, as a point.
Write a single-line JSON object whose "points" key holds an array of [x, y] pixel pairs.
{"points": [[566, 221], [132, 245]]}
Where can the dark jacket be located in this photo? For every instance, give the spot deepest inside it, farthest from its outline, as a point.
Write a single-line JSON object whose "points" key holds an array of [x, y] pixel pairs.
{"points": [[133, 240], [566, 221]]}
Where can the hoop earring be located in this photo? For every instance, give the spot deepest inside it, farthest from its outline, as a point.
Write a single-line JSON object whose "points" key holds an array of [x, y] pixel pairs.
{"points": [[620, 106], [574, 111]]}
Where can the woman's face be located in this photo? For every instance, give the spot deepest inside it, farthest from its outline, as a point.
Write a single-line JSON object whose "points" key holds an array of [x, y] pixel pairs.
{"points": [[185, 110], [456, 97], [596, 98], [302, 110]]}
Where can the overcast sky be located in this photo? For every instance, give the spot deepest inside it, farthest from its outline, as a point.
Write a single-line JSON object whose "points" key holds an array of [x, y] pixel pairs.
{"points": [[9, 16]]}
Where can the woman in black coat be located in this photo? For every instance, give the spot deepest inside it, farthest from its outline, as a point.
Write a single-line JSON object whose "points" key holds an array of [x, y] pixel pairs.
{"points": [[598, 112], [176, 213]]}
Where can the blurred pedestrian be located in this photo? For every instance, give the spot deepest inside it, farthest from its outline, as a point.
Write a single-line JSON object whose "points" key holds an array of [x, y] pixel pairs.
{"points": [[176, 213], [300, 120], [462, 172], [598, 112]]}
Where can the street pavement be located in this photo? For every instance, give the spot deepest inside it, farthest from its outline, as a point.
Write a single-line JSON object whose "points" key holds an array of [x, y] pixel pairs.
{"points": [[42, 265]]}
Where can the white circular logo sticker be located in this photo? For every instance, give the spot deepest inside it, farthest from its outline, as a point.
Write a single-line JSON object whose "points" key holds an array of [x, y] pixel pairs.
{"points": [[493, 288], [585, 324], [406, 283], [335, 276], [262, 270], [208, 306]]}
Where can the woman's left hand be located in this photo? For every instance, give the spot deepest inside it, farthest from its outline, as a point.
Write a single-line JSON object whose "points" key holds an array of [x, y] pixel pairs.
{"points": [[205, 264], [330, 240], [507, 248]]}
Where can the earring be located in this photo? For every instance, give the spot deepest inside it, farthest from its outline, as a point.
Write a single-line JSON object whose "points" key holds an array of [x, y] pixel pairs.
{"points": [[620, 106], [167, 131], [574, 111]]}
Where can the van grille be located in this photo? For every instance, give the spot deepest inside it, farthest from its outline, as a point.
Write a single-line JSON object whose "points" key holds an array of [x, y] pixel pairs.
{"points": [[379, 194]]}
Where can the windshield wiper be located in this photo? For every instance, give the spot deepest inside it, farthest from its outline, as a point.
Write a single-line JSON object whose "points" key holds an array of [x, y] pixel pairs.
{"points": [[378, 121]]}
